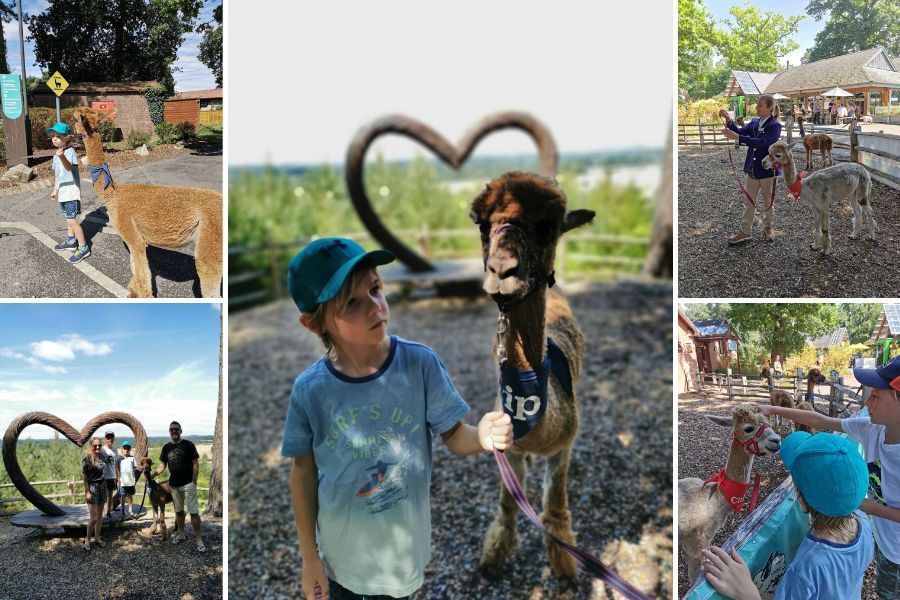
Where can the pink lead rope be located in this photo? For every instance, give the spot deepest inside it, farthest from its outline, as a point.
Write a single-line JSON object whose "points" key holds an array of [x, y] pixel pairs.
{"points": [[593, 566], [743, 189]]}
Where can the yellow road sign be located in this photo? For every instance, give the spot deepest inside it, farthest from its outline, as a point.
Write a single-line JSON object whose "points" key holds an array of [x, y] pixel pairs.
{"points": [[57, 83]]}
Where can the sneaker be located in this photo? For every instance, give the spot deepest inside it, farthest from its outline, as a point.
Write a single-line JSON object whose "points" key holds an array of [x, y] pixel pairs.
{"points": [[739, 238], [70, 245], [769, 234], [79, 255]]}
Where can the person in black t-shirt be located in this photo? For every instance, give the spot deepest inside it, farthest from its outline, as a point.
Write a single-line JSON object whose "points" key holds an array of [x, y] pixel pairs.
{"points": [[181, 458]]}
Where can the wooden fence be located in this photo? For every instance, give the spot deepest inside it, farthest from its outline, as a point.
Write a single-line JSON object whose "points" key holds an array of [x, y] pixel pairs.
{"points": [[702, 134], [266, 283], [211, 117], [75, 493], [757, 389]]}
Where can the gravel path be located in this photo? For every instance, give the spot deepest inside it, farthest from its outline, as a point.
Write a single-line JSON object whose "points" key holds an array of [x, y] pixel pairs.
{"points": [[703, 450], [709, 209], [620, 483], [56, 566]]}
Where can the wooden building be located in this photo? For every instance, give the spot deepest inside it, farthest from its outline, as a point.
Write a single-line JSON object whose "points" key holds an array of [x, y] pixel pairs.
{"points": [[126, 99], [687, 352], [200, 107], [716, 339]]}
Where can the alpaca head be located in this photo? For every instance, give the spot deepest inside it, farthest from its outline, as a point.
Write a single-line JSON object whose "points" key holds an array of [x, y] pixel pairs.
{"points": [[779, 154], [815, 376], [86, 121], [144, 464], [521, 217], [749, 424]]}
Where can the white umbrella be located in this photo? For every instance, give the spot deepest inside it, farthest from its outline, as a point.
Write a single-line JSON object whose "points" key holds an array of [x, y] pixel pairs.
{"points": [[836, 92], [780, 97]]}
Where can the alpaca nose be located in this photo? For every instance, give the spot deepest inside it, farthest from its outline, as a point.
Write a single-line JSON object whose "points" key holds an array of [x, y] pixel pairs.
{"points": [[502, 268]]}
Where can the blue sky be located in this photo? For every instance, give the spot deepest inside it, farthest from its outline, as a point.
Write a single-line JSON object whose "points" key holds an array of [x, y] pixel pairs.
{"points": [[809, 27], [193, 75], [157, 361]]}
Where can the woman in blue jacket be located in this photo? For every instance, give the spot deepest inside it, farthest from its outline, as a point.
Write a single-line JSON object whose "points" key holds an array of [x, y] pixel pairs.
{"points": [[759, 134]]}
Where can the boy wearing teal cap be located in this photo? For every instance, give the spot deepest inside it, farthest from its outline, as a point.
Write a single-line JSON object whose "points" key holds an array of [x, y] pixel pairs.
{"points": [[879, 435], [67, 191], [359, 427], [831, 479]]}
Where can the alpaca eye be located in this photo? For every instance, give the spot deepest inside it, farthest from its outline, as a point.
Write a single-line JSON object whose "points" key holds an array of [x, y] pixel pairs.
{"points": [[748, 428]]}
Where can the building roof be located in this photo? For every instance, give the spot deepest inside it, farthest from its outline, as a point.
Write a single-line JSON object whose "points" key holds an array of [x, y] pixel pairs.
{"points": [[887, 325], [829, 340], [213, 94], [686, 323], [715, 328], [101, 87], [748, 83], [866, 67]]}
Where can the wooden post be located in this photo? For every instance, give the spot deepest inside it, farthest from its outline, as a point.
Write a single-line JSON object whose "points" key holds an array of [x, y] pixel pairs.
{"points": [[700, 129], [730, 384], [854, 152], [797, 378], [836, 394], [744, 391], [275, 268]]}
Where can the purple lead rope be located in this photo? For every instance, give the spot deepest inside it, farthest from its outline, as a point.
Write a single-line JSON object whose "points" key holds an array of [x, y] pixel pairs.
{"points": [[593, 566]]}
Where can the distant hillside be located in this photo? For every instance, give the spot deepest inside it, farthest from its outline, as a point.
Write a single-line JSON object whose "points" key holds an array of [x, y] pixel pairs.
{"points": [[151, 440]]}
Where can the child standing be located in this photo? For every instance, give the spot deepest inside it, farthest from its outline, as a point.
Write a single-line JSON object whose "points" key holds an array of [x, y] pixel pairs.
{"points": [[126, 466], [879, 434], [67, 190], [759, 134], [359, 427], [831, 479]]}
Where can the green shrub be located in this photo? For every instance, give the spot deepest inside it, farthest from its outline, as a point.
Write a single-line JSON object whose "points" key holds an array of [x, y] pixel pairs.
{"points": [[108, 131], [185, 131], [165, 132], [155, 97], [137, 138]]}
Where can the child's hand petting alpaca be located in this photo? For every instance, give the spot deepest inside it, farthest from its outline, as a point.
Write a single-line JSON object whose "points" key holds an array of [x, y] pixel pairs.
{"points": [[495, 431]]}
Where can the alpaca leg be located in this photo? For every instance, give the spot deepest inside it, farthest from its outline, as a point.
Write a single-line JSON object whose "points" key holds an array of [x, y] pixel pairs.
{"points": [[873, 225], [139, 285], [826, 233], [208, 258], [154, 526], [501, 538], [856, 219], [809, 158], [816, 230], [556, 516], [162, 522]]}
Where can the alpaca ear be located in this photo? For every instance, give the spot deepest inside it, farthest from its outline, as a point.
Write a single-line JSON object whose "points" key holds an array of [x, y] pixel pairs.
{"points": [[577, 218], [723, 421]]}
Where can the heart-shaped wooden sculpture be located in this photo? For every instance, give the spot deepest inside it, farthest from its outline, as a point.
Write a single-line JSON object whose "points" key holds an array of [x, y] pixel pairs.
{"points": [[11, 437], [450, 154]]}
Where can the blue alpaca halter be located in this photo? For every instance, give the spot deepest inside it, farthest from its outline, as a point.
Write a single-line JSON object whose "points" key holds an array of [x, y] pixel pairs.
{"points": [[96, 171], [523, 393]]}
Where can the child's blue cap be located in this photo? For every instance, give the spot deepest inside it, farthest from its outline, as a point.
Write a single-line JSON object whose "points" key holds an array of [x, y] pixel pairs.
{"points": [[126, 444], [318, 271], [60, 128], [828, 470], [885, 376]]}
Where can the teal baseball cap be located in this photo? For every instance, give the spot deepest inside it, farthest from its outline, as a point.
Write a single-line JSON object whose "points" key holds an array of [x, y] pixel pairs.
{"points": [[318, 271], [60, 128], [828, 470]]}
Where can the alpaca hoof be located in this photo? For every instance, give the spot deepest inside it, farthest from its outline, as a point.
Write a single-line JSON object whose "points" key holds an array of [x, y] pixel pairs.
{"points": [[853, 236], [499, 543], [490, 571]]}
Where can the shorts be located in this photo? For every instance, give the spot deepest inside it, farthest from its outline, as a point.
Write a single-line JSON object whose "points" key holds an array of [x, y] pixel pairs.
{"points": [[111, 485], [70, 208], [98, 493], [887, 577], [128, 490], [338, 592], [186, 495]]}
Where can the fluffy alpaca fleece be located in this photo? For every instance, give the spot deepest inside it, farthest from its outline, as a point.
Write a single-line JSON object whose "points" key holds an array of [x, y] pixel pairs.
{"points": [[159, 497], [824, 188], [521, 217], [800, 426], [162, 216], [817, 141], [783, 399]]}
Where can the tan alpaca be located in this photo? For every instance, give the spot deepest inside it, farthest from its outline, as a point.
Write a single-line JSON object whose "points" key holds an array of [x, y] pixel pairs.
{"points": [[166, 217], [800, 426], [702, 511], [521, 217], [160, 495], [812, 378], [783, 399], [817, 141]]}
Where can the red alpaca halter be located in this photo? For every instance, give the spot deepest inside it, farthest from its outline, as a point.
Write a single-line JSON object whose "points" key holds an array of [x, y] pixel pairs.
{"points": [[795, 187], [734, 491]]}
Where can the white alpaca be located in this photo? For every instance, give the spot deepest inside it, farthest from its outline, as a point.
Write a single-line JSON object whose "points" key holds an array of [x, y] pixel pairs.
{"points": [[824, 188], [702, 509]]}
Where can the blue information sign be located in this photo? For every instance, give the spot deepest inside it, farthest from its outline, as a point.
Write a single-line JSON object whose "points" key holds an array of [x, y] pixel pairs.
{"points": [[11, 95]]}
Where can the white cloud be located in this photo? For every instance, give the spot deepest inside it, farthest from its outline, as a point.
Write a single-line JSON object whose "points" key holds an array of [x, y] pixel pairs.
{"points": [[33, 361], [52, 351], [28, 393], [66, 347], [80, 344]]}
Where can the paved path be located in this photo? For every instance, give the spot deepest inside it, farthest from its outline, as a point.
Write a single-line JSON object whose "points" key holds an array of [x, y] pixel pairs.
{"points": [[30, 223]]}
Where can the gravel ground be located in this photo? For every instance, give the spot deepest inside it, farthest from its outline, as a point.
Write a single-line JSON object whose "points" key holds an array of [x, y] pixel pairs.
{"points": [[703, 450], [131, 566], [709, 209], [620, 481]]}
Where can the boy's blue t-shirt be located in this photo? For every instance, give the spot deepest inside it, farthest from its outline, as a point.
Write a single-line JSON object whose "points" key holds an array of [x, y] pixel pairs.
{"points": [[67, 182], [371, 440], [823, 569]]}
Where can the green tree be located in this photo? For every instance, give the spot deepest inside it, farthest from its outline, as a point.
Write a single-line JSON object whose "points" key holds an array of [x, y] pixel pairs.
{"points": [[705, 312], [861, 320], [211, 46], [112, 40], [784, 328], [854, 25], [756, 39], [697, 40], [8, 14]]}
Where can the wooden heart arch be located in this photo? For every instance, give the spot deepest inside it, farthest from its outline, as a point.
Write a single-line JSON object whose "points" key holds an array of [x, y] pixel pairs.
{"points": [[11, 437], [454, 156]]}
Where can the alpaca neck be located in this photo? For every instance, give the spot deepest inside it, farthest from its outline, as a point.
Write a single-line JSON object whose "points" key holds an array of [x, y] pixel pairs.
{"points": [[739, 465], [526, 341], [96, 157], [810, 385], [788, 172]]}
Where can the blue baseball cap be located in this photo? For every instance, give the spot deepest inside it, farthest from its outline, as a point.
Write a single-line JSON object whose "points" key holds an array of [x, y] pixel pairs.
{"points": [[885, 376], [126, 444], [318, 271], [60, 128], [828, 470]]}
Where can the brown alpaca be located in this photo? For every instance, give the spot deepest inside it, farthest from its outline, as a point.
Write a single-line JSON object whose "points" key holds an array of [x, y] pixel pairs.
{"points": [[160, 495], [800, 426], [812, 378], [521, 217], [783, 399], [816, 141], [167, 217]]}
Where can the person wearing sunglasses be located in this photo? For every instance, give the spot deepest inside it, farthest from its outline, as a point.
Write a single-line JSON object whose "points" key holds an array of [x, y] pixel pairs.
{"points": [[92, 473], [181, 458]]}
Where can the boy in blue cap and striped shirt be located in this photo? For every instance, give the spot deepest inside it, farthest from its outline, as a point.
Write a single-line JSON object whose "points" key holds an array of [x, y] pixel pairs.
{"points": [[830, 478], [67, 190]]}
